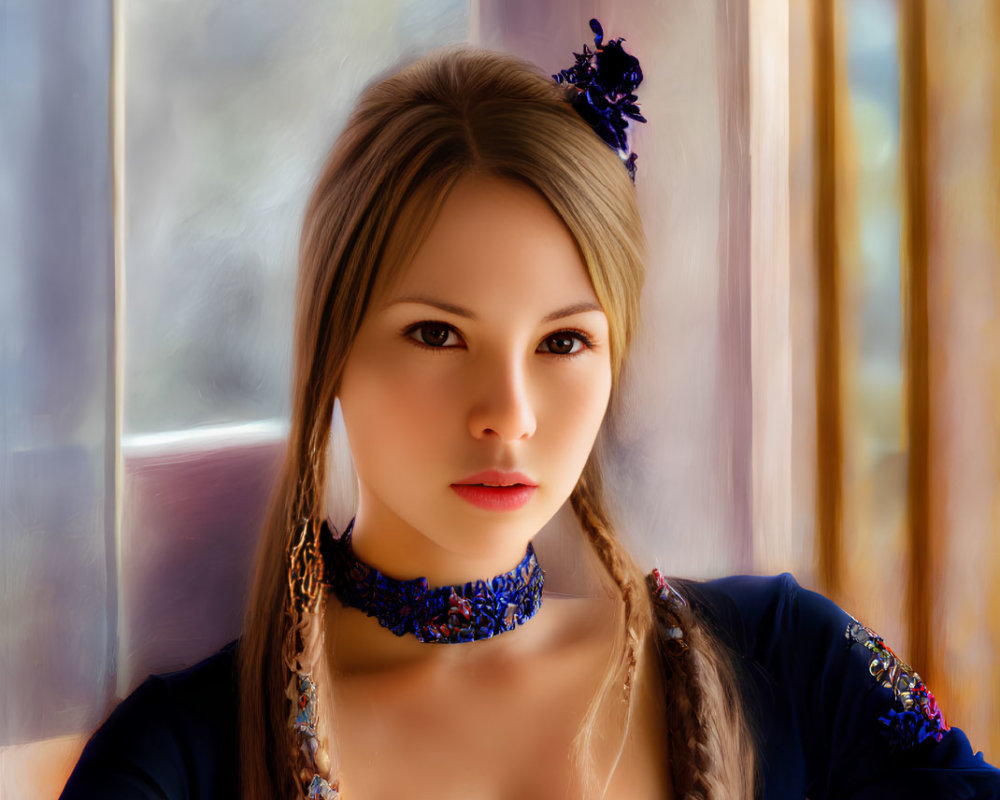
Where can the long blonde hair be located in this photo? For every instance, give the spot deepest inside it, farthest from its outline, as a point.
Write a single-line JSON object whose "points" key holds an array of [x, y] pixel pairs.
{"points": [[411, 136]]}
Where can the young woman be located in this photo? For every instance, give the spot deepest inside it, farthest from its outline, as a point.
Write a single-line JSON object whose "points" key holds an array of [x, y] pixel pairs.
{"points": [[470, 272]]}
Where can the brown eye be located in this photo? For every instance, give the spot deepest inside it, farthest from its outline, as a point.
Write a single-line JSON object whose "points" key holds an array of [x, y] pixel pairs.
{"points": [[435, 336], [432, 334], [565, 343]]}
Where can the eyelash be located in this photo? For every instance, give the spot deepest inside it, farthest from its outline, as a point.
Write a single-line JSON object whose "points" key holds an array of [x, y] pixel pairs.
{"points": [[579, 335]]}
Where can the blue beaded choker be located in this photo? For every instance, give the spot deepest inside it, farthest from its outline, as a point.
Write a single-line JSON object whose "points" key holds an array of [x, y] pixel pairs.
{"points": [[447, 614]]}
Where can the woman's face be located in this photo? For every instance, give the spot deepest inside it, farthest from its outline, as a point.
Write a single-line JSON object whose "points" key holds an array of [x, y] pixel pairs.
{"points": [[488, 355]]}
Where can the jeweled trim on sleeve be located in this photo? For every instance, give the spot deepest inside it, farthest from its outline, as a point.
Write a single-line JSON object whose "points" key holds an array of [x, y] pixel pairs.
{"points": [[916, 716]]}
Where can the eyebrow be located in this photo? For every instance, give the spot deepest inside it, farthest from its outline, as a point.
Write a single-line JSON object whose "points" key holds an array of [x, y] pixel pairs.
{"points": [[451, 308]]}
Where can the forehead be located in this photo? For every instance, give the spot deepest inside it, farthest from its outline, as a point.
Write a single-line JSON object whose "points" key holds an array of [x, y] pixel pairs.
{"points": [[495, 242]]}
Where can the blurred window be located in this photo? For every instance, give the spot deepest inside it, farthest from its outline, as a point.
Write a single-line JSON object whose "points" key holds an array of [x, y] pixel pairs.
{"points": [[230, 109]]}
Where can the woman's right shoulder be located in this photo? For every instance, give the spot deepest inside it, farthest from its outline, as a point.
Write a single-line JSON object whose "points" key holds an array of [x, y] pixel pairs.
{"points": [[175, 736]]}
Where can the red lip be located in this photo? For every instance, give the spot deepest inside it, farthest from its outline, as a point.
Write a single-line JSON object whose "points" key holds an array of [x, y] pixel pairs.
{"points": [[496, 490], [495, 498], [497, 477]]}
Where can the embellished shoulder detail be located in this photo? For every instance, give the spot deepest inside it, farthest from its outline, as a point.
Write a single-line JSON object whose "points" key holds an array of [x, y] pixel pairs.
{"points": [[916, 716]]}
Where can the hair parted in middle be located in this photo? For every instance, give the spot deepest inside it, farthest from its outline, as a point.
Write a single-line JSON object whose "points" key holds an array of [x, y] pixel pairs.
{"points": [[410, 138]]}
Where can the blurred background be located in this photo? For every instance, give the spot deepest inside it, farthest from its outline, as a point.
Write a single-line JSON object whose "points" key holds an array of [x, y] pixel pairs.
{"points": [[816, 387]]}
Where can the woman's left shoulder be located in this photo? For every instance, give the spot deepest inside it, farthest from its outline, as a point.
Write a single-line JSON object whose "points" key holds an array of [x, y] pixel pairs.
{"points": [[830, 694], [755, 614]]}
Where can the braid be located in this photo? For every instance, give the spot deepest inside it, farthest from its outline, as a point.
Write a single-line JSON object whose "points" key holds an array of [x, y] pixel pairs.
{"points": [[683, 692], [302, 650], [711, 752]]}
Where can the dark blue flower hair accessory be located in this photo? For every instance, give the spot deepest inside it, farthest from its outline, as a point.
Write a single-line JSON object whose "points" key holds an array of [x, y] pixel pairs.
{"points": [[447, 614], [605, 80]]}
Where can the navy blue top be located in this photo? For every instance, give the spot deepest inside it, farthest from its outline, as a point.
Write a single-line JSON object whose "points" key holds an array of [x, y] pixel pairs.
{"points": [[810, 694]]}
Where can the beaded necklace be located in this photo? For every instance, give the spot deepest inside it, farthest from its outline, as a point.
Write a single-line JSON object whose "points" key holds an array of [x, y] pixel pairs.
{"points": [[444, 615]]}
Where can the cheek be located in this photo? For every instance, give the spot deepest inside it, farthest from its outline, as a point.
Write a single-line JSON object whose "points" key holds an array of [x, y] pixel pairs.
{"points": [[574, 411], [393, 412]]}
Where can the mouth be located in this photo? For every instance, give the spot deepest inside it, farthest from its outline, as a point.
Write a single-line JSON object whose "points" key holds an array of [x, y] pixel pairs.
{"points": [[490, 497]]}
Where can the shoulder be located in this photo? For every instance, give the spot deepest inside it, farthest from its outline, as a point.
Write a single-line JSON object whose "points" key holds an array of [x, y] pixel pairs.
{"points": [[831, 702], [754, 614], [207, 685], [174, 736]]}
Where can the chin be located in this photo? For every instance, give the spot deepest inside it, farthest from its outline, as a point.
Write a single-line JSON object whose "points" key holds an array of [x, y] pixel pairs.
{"points": [[488, 534]]}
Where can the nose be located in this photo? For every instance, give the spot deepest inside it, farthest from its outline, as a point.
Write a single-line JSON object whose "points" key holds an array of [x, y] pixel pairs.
{"points": [[501, 403]]}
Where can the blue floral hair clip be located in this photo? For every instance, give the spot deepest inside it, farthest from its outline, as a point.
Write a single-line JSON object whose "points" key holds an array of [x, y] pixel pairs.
{"points": [[605, 80]]}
